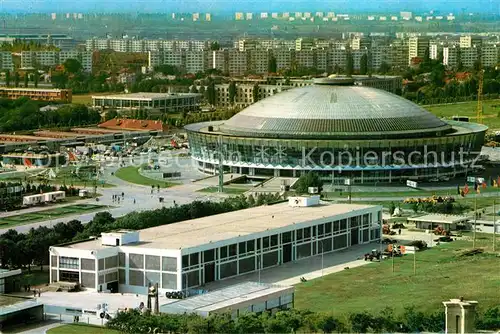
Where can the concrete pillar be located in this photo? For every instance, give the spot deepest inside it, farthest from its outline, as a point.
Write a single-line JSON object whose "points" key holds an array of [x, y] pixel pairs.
{"points": [[276, 173], [460, 316]]}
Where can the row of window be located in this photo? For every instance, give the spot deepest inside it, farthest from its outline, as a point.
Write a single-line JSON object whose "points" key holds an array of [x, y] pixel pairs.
{"points": [[272, 242]]}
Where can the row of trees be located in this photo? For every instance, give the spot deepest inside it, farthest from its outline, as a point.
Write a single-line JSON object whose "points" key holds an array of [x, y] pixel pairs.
{"points": [[292, 321], [24, 114], [15, 79], [18, 250]]}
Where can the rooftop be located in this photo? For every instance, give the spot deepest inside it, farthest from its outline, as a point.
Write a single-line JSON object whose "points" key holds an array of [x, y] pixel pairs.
{"points": [[10, 304], [201, 231], [144, 96], [133, 124], [223, 298], [440, 219], [326, 110]]}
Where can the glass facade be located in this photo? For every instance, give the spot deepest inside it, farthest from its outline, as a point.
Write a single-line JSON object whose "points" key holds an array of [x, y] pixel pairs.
{"points": [[297, 243], [363, 160]]}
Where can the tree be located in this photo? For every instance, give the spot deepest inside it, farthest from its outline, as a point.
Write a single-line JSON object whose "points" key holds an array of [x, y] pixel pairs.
{"points": [[232, 92], [384, 68], [272, 67], [349, 64], [310, 179], [36, 77], [363, 64], [438, 75], [193, 89], [16, 79], [255, 93], [211, 94], [72, 66], [7, 78], [26, 80], [214, 46], [392, 208], [111, 114], [360, 322]]}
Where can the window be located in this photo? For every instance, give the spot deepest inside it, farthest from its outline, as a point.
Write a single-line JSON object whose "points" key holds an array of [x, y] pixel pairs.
{"points": [[68, 262], [194, 259], [209, 255], [242, 248], [300, 234], [265, 242], [233, 249], [250, 246], [328, 228], [307, 233], [286, 237], [223, 252], [185, 261], [320, 230], [274, 240]]}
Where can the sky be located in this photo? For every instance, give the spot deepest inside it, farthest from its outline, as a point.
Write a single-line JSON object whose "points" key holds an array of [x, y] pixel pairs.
{"points": [[215, 6]]}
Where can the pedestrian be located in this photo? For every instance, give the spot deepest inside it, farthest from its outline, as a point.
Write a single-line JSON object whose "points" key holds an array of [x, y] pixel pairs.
{"points": [[399, 231], [134, 200], [39, 293], [34, 293], [151, 191], [123, 194]]}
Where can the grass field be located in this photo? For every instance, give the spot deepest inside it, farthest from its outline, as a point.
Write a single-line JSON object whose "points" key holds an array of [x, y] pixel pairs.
{"points": [[54, 213], [81, 329], [441, 274], [131, 174], [490, 112]]}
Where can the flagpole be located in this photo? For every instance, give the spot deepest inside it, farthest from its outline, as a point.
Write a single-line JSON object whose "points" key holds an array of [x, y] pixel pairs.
{"points": [[494, 224], [475, 220]]}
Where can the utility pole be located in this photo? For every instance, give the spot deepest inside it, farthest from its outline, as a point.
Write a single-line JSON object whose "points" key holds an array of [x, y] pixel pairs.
{"points": [[475, 221], [221, 166]]}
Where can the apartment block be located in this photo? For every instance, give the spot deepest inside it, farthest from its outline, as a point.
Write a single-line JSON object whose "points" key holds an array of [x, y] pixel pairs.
{"points": [[304, 44], [245, 93], [83, 57], [237, 63], [489, 55], [173, 58], [259, 61], [194, 61], [6, 61], [137, 45], [321, 59], [356, 57], [470, 41], [39, 58], [450, 56], [304, 58], [155, 58], [469, 56], [417, 47], [338, 58], [283, 59], [120, 45]]}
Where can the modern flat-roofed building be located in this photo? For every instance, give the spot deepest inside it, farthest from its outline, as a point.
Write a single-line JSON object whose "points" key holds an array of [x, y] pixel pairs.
{"points": [[236, 300], [195, 252], [164, 102], [40, 94]]}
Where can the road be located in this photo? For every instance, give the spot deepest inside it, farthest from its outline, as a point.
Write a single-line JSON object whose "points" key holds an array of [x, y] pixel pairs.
{"points": [[144, 199]]}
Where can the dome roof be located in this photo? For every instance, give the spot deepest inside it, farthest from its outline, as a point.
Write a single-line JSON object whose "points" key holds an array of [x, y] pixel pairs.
{"points": [[333, 111]]}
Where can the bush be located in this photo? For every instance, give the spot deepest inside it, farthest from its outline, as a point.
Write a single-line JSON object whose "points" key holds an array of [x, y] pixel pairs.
{"points": [[418, 244]]}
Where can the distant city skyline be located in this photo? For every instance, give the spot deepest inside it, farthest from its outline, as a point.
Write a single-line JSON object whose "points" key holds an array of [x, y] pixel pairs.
{"points": [[228, 6]]}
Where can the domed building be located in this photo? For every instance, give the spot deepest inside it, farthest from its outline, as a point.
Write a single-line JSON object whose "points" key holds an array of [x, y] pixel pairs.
{"points": [[341, 131]]}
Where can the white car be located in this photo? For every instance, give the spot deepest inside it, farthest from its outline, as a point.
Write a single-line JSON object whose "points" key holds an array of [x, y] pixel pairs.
{"points": [[434, 180]]}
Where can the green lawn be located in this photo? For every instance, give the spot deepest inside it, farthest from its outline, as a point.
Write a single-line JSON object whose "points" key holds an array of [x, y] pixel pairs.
{"points": [[36, 277], [227, 190], [131, 174], [27, 218], [81, 329], [441, 274], [490, 112]]}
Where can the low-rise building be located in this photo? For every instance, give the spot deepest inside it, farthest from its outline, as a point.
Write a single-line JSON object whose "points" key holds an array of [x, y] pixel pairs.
{"points": [[192, 253], [164, 102], [6, 62], [40, 94]]}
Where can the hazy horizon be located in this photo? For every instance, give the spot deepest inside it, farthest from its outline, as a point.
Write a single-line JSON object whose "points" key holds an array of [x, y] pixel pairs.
{"points": [[227, 6]]}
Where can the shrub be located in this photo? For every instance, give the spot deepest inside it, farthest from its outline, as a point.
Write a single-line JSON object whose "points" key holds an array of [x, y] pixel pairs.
{"points": [[418, 244]]}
